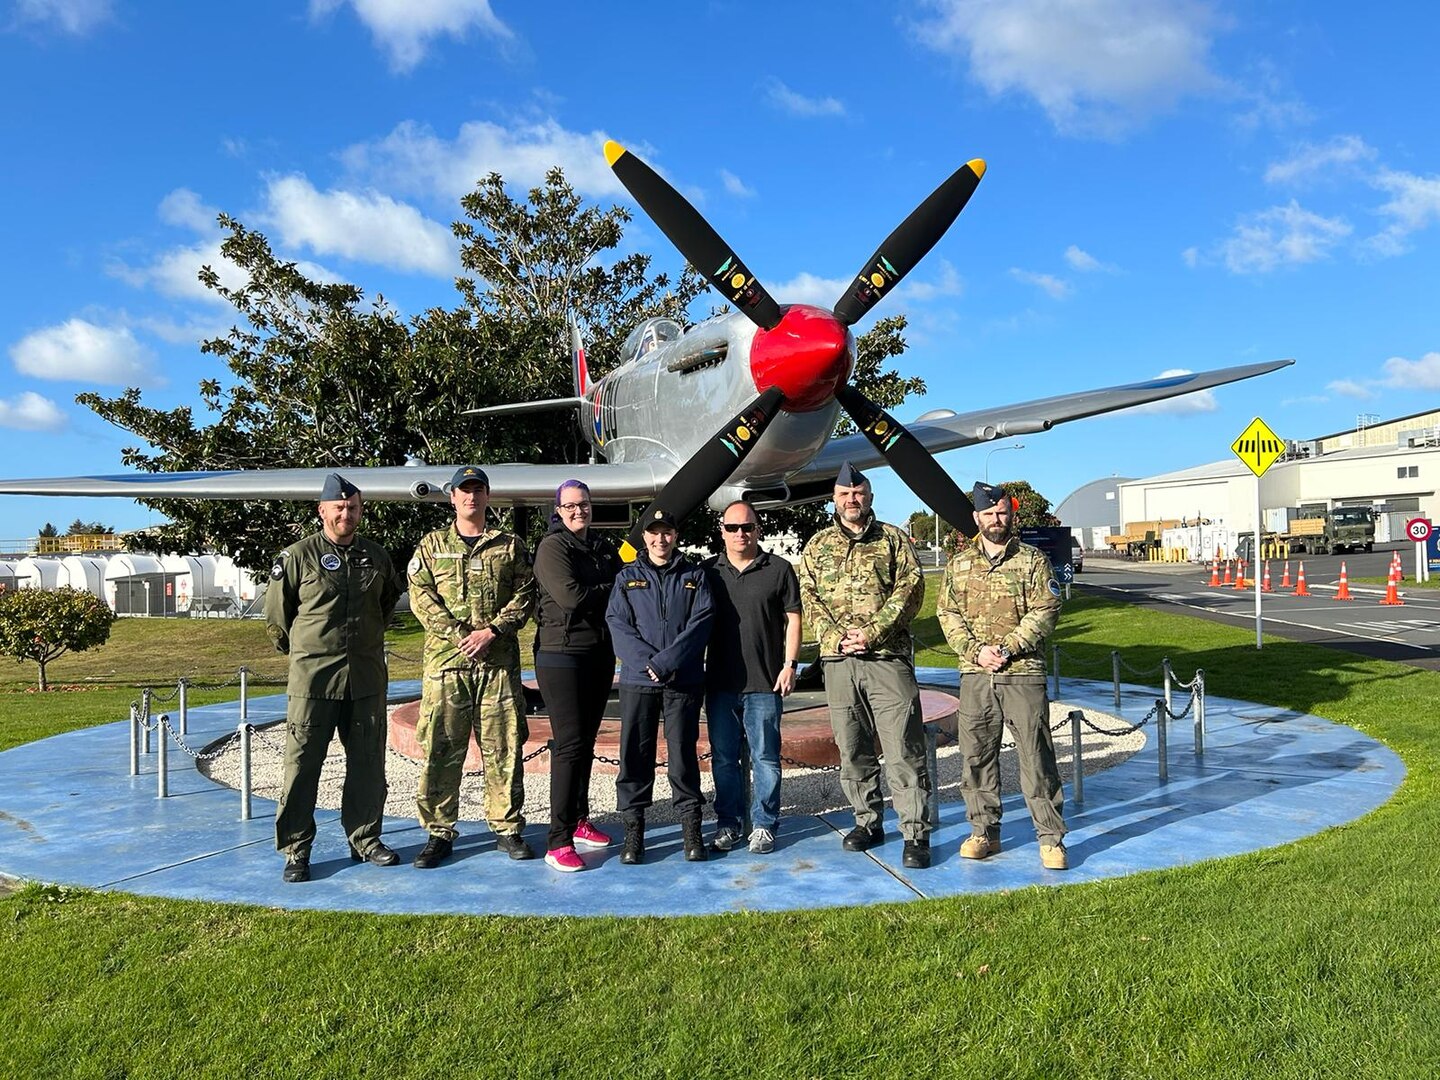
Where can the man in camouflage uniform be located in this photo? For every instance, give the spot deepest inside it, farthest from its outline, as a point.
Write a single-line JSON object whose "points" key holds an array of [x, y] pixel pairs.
{"points": [[472, 589], [998, 603], [860, 587], [330, 598]]}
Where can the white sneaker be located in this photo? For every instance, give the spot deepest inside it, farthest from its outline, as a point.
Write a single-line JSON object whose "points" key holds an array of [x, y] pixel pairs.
{"points": [[762, 841]]}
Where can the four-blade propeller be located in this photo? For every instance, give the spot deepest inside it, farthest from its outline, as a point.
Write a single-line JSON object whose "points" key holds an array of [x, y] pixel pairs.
{"points": [[826, 334]]}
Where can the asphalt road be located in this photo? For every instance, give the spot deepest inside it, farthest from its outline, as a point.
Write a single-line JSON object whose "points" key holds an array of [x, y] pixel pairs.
{"points": [[1409, 633]]}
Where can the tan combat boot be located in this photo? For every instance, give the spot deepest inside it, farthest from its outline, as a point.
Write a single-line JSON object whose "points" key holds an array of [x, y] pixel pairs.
{"points": [[981, 845], [1054, 857]]}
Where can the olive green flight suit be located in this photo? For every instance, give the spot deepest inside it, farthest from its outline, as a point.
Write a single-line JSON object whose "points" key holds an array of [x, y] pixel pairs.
{"points": [[327, 607], [455, 589]]}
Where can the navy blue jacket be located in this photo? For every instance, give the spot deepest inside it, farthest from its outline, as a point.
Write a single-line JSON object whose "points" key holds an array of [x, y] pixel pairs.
{"points": [[659, 617]]}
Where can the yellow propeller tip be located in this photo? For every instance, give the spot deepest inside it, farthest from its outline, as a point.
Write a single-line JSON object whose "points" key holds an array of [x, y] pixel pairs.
{"points": [[977, 166], [613, 151], [627, 550]]}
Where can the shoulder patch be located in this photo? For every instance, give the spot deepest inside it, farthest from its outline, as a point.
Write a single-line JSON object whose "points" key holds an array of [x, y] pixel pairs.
{"points": [[1053, 586], [277, 571], [414, 566]]}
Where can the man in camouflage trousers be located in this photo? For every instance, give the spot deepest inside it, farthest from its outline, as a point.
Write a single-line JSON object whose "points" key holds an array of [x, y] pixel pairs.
{"points": [[998, 603], [330, 598], [860, 587], [472, 589]]}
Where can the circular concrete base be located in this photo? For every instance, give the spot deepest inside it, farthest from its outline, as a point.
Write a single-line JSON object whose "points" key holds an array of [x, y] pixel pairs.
{"points": [[805, 736]]}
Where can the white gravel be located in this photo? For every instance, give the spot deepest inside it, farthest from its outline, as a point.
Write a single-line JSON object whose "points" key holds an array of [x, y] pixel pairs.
{"points": [[803, 791]]}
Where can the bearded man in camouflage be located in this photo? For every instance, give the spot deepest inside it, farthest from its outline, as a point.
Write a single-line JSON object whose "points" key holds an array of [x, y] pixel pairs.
{"points": [[998, 603], [860, 587], [472, 588]]}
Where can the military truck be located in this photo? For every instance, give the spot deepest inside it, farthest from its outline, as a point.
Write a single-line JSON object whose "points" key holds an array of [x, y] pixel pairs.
{"points": [[1345, 528]]}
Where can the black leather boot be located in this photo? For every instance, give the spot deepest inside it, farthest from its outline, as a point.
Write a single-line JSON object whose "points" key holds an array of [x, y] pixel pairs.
{"points": [[633, 851], [694, 844]]}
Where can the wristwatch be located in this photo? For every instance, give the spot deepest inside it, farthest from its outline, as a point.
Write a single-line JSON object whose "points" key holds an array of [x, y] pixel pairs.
{"points": [[793, 665], [1004, 653]]}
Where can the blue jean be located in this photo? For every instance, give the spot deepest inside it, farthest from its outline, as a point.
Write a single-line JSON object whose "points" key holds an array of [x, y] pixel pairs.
{"points": [[755, 717]]}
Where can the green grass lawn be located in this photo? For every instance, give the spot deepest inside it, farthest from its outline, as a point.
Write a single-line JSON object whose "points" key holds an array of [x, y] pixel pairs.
{"points": [[1321, 958]]}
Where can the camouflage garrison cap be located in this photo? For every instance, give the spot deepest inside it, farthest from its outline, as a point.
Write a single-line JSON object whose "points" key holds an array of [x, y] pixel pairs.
{"points": [[849, 476], [984, 496], [465, 474], [336, 487], [657, 518]]}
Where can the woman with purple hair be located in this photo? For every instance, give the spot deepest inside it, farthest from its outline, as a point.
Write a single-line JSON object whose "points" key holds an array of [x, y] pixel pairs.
{"points": [[575, 570]]}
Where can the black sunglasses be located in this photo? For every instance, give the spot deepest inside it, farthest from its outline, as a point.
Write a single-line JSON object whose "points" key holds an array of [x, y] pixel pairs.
{"points": [[741, 526]]}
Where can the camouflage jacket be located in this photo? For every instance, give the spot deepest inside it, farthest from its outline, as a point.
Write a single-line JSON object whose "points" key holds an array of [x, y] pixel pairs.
{"points": [[455, 589], [327, 607], [1012, 602], [871, 582]]}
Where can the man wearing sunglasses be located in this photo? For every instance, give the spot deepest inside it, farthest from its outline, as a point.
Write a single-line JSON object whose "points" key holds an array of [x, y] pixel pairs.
{"points": [[749, 668]]}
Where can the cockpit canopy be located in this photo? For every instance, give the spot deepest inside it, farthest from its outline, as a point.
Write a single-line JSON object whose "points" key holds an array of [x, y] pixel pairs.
{"points": [[647, 335]]}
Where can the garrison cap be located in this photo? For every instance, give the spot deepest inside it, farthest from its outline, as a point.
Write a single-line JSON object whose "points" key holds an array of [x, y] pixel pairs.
{"points": [[465, 474], [984, 496], [661, 517], [849, 476], [336, 487]]}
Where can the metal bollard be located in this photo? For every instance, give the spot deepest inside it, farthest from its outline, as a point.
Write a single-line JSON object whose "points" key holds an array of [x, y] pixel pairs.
{"points": [[1199, 694], [1162, 716], [1077, 756], [244, 732], [244, 694], [932, 769], [1115, 674], [144, 721], [134, 741], [162, 770], [1055, 672], [184, 706], [1169, 677]]}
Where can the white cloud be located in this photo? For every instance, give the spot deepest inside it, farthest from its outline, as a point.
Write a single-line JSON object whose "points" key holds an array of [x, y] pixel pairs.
{"points": [[1190, 257], [1097, 67], [1414, 205], [412, 158], [406, 28], [369, 227], [1350, 388], [175, 273], [1422, 374], [1202, 401], [806, 288], [183, 209], [81, 351], [1281, 236], [1310, 159], [735, 186], [76, 17], [1054, 287], [797, 104], [1081, 260], [31, 412], [949, 283]]}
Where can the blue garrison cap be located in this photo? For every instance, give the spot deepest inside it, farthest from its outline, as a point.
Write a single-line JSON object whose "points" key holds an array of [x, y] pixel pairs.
{"points": [[336, 487], [984, 496], [465, 474], [849, 476]]}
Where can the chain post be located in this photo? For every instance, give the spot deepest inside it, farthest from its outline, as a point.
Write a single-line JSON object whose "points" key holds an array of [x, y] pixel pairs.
{"points": [[244, 697], [134, 740], [184, 706], [1077, 755], [244, 732], [145, 721], [1055, 669], [1169, 681], [1115, 675], [1162, 716], [162, 770], [1199, 693]]}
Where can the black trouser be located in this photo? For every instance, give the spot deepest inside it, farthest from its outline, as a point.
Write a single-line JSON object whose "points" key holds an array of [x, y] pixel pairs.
{"points": [[641, 711], [575, 698]]}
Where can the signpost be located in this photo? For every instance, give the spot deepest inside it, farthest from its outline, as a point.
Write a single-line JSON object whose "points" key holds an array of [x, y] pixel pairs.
{"points": [[1258, 448], [1420, 530]]}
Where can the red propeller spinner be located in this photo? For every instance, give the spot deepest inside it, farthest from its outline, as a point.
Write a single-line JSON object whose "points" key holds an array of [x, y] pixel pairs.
{"points": [[807, 356]]}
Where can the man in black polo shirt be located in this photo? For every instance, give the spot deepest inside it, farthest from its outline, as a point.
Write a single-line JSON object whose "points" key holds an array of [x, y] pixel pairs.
{"points": [[749, 668]]}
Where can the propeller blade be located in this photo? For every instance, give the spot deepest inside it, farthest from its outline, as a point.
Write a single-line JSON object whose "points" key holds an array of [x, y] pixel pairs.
{"points": [[712, 463], [911, 461], [693, 237], [909, 243]]}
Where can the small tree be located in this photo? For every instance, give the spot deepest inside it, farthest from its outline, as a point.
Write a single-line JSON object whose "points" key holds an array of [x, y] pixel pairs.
{"points": [[41, 625]]}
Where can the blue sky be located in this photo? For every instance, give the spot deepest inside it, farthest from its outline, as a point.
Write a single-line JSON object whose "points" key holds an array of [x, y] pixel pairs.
{"points": [[1172, 185]]}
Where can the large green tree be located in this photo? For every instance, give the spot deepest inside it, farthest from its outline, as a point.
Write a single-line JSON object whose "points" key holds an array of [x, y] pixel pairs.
{"points": [[41, 625]]}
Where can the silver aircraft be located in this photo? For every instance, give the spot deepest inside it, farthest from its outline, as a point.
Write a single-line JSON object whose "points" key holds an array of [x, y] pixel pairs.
{"points": [[740, 406]]}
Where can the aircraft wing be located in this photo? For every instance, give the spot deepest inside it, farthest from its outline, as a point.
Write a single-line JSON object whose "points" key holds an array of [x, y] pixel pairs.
{"points": [[943, 430], [509, 483]]}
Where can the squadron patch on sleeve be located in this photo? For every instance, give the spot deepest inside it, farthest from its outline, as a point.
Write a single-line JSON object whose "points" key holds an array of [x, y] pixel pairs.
{"points": [[414, 565], [1054, 587], [277, 571]]}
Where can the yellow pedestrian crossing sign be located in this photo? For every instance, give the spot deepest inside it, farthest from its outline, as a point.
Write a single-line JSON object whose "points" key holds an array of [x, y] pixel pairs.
{"points": [[1258, 447]]}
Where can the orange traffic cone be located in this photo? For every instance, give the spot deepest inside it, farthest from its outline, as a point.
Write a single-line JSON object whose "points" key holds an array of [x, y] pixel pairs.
{"points": [[1215, 572], [1285, 579], [1265, 580], [1392, 588], [1240, 574], [1300, 589], [1343, 592], [1228, 580]]}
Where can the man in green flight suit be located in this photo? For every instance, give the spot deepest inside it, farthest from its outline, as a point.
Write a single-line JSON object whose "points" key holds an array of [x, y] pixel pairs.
{"points": [[331, 596], [472, 588]]}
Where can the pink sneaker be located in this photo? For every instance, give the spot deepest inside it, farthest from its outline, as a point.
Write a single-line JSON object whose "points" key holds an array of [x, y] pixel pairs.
{"points": [[587, 835], [564, 859]]}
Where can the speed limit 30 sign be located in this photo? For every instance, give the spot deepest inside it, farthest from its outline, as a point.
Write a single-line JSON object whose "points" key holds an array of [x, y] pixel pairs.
{"points": [[1418, 529]]}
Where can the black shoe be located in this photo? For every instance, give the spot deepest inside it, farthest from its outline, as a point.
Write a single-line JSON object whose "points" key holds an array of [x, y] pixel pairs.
{"points": [[694, 844], [916, 855], [514, 845], [436, 850], [633, 851], [297, 868], [862, 839], [378, 854]]}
